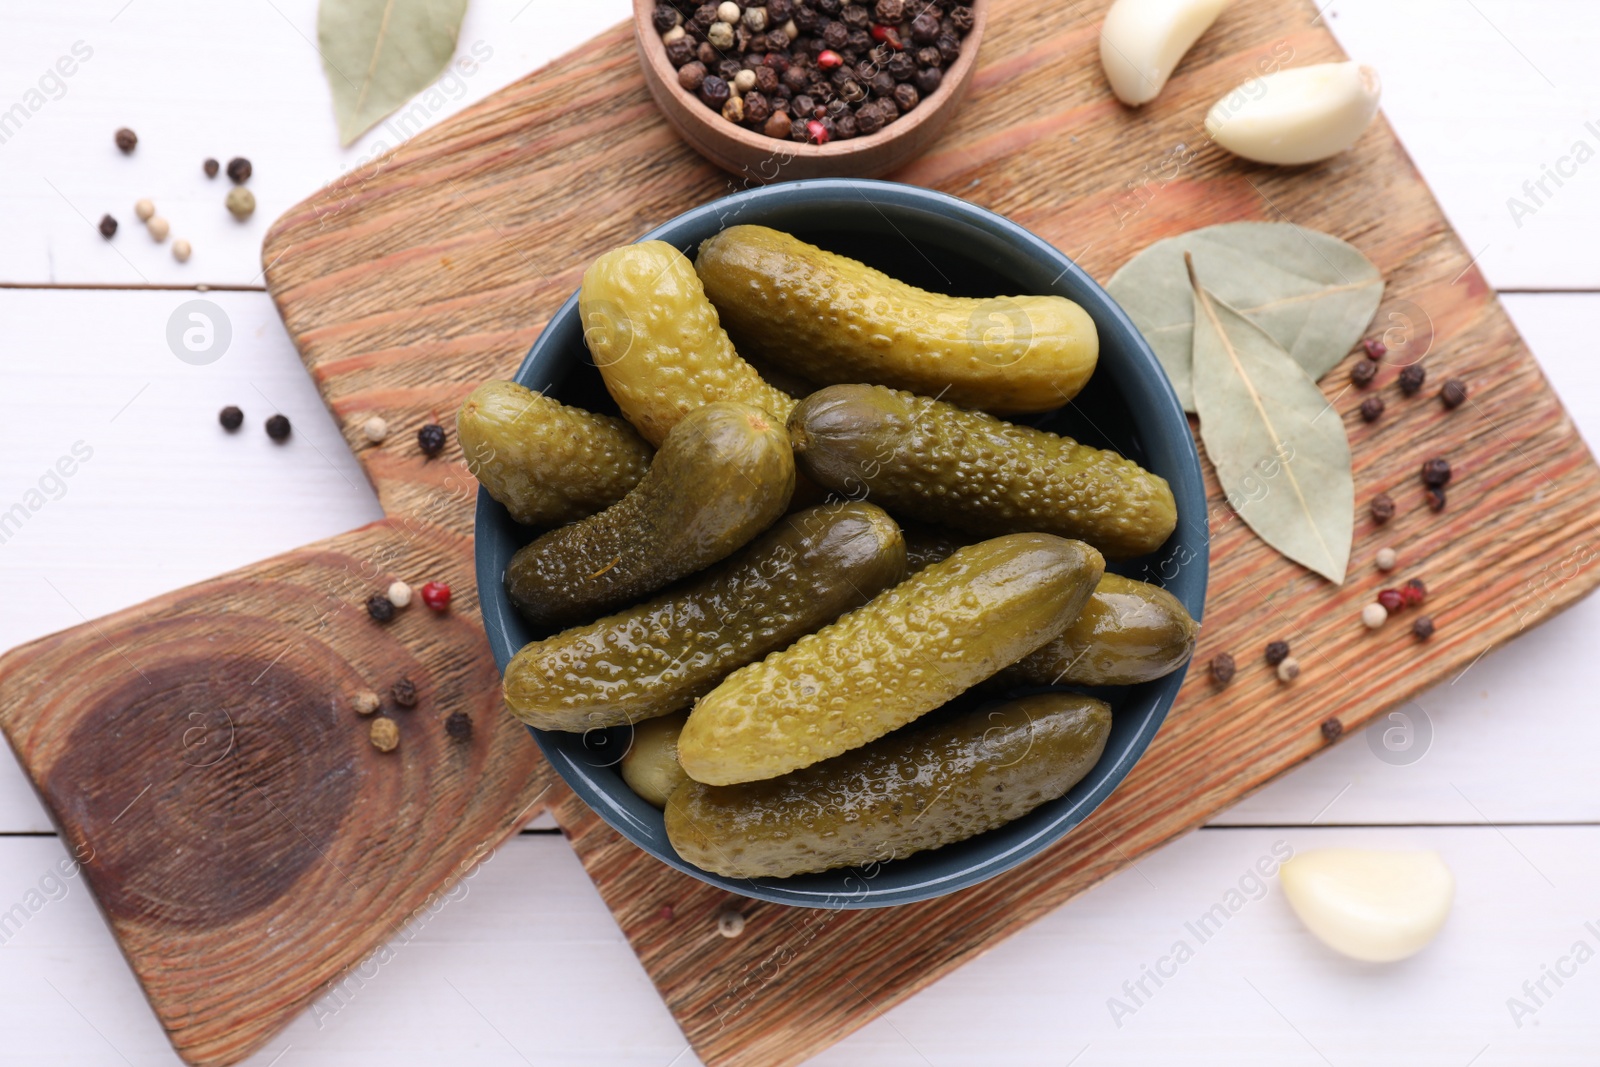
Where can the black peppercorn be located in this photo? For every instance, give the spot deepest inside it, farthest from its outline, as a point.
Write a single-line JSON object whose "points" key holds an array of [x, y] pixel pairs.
{"points": [[1363, 372], [929, 57], [803, 106], [680, 52], [845, 126], [665, 18], [380, 607], [278, 428], [925, 28], [231, 418], [458, 726], [882, 84], [766, 80], [961, 19], [1411, 379], [211, 167], [869, 119], [858, 44], [239, 170], [404, 693], [805, 18], [1222, 668], [714, 91], [127, 140], [780, 10], [1422, 627], [1332, 729], [1454, 393], [890, 12], [856, 16], [836, 35], [756, 108], [902, 66], [928, 80], [729, 69], [949, 47], [797, 130], [906, 96], [707, 55], [1382, 508], [1436, 498], [691, 75], [1277, 652], [431, 439], [828, 7], [1436, 471], [108, 227], [1372, 408]]}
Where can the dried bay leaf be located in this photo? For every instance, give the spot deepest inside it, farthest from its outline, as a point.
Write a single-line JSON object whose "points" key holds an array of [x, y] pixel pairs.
{"points": [[377, 54], [1278, 446], [1312, 293]]}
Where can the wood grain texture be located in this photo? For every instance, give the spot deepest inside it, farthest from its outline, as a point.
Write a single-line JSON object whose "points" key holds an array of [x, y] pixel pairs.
{"points": [[411, 280], [203, 761]]}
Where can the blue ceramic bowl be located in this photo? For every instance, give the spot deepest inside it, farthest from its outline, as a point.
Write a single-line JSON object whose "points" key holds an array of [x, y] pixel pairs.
{"points": [[945, 245]]}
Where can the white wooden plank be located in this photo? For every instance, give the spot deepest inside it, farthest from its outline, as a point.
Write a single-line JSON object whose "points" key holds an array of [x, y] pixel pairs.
{"points": [[1465, 87], [197, 80], [526, 966]]}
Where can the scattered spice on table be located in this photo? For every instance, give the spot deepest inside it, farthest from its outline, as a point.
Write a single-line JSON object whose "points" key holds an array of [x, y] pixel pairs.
{"points": [[1332, 728], [404, 693], [1413, 593], [211, 166], [1411, 379], [1289, 670], [1375, 349], [1362, 373], [1453, 393], [1436, 498], [239, 170], [1390, 600], [1436, 471], [241, 202], [366, 702], [1387, 559], [431, 439], [1423, 627], [375, 429], [1374, 616], [1382, 508], [1223, 668], [1372, 408], [399, 593], [384, 734], [144, 209], [126, 140], [814, 71], [108, 227], [436, 595], [181, 250], [730, 923], [159, 228], [1277, 652], [231, 418], [278, 427], [380, 607], [458, 726]]}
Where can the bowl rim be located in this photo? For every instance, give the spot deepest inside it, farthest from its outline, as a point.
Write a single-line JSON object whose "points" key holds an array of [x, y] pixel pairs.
{"points": [[660, 69], [1192, 574]]}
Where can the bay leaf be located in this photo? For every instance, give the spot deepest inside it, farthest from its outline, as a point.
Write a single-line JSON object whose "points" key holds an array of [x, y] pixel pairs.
{"points": [[377, 54], [1312, 293], [1278, 446]]}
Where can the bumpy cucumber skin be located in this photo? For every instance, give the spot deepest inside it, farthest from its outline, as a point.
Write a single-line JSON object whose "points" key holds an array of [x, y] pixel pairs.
{"points": [[933, 461], [658, 657], [723, 475], [658, 343], [651, 766], [546, 462], [919, 789], [833, 319], [906, 652], [1129, 632]]}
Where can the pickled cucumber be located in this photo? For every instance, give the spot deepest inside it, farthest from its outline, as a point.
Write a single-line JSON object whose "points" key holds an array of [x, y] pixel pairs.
{"points": [[832, 319], [723, 475], [921, 788], [651, 766], [656, 658], [546, 462], [657, 341], [1129, 632], [906, 652], [933, 461]]}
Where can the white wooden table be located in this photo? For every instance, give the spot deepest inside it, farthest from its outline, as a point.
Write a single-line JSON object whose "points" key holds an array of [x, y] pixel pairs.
{"points": [[523, 964]]}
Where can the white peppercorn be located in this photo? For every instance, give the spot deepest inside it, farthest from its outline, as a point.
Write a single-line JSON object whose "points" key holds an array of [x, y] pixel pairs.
{"points": [[144, 209], [159, 228], [676, 33], [1289, 670], [1387, 559], [399, 594], [181, 250], [730, 923], [728, 11], [744, 81], [241, 202], [1374, 615], [366, 702], [720, 36], [755, 19], [375, 429]]}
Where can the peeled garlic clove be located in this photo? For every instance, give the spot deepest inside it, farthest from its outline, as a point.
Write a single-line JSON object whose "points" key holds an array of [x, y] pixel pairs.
{"points": [[1372, 906], [1297, 116], [1141, 42]]}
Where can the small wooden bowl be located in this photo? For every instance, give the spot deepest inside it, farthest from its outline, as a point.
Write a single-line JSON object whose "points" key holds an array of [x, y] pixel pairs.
{"points": [[761, 159]]}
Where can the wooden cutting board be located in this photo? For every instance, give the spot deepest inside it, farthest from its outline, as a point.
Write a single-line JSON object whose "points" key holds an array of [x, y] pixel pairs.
{"points": [[243, 877]]}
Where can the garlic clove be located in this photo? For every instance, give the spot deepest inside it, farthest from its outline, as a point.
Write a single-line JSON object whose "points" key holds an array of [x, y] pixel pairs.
{"points": [[1368, 905], [1296, 116], [1141, 42]]}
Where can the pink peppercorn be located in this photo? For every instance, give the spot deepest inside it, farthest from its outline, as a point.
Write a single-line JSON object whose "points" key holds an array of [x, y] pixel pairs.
{"points": [[1391, 599]]}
